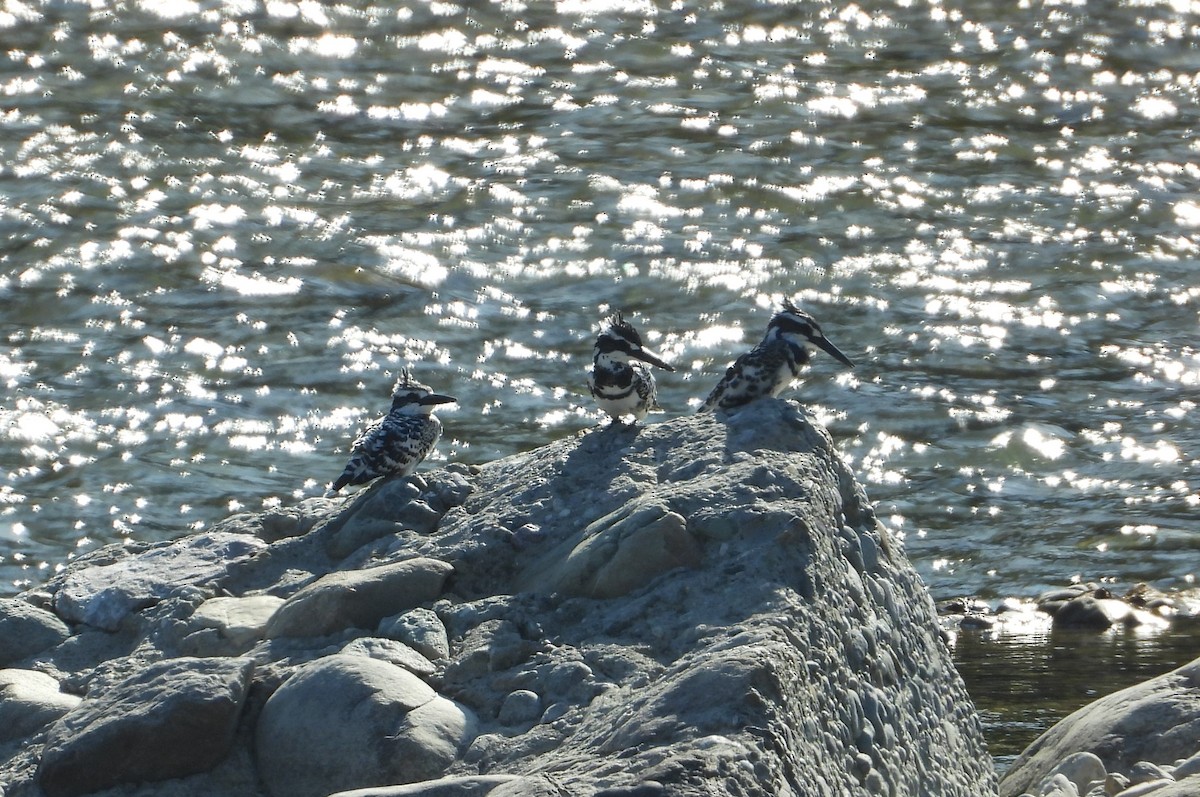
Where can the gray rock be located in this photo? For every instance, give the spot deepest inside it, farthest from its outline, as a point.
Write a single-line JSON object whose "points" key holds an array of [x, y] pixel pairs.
{"points": [[391, 651], [520, 707], [616, 554], [1186, 787], [1144, 771], [29, 701], [284, 522], [1081, 769], [1156, 721], [476, 786], [385, 508], [719, 545], [236, 624], [536, 786], [350, 721], [1148, 787], [1115, 783], [26, 630], [174, 718], [1188, 767], [420, 629], [103, 595], [359, 599], [491, 646], [1057, 785]]}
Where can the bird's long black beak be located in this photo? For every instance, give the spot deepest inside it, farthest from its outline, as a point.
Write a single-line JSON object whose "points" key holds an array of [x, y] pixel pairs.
{"points": [[833, 351], [645, 355], [437, 398]]}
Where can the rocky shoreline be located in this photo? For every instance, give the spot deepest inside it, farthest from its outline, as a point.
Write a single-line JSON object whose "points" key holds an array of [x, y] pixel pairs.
{"points": [[704, 606], [1077, 607]]}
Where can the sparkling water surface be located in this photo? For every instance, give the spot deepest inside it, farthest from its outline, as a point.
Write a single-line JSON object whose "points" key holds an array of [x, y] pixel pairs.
{"points": [[226, 226]]}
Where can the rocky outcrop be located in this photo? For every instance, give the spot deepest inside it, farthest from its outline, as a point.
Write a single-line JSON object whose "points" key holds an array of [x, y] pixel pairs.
{"points": [[705, 606], [1141, 740]]}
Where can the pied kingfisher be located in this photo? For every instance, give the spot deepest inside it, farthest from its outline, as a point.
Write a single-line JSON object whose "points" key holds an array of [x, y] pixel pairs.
{"points": [[619, 386], [395, 444], [768, 368]]}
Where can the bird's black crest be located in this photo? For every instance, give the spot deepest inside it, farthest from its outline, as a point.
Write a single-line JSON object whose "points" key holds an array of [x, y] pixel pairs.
{"points": [[620, 326], [793, 319], [406, 384]]}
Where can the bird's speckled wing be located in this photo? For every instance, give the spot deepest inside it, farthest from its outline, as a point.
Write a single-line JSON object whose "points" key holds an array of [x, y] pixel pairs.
{"points": [[763, 371], [393, 445]]}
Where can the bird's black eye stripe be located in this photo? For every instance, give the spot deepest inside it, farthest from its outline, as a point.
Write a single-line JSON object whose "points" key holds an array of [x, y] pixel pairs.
{"points": [[629, 333], [409, 397], [796, 325]]}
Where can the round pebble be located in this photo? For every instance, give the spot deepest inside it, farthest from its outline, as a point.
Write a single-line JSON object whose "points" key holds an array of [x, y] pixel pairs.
{"points": [[520, 707]]}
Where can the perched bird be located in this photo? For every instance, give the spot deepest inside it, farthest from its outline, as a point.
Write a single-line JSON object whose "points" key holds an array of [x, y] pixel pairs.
{"points": [[619, 386], [768, 368], [395, 444]]}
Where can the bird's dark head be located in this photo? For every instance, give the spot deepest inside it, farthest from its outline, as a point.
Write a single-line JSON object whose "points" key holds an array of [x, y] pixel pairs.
{"points": [[413, 398], [799, 328], [618, 341]]}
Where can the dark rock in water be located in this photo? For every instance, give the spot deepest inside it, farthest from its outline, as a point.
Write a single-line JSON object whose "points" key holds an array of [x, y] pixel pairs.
{"points": [[1083, 612], [175, 718], [1099, 613]]}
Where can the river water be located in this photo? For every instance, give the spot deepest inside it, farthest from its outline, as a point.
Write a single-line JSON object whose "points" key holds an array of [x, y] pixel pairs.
{"points": [[225, 227]]}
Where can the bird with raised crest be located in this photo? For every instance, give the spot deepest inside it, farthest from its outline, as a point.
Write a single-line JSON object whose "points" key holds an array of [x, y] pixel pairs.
{"points": [[768, 368], [395, 444], [620, 381]]}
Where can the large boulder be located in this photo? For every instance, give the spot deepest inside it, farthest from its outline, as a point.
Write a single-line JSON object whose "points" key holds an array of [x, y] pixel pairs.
{"points": [[1157, 721], [708, 603], [174, 718], [358, 598], [345, 721]]}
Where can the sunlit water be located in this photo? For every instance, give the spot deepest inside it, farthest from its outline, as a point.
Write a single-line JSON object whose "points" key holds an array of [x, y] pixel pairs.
{"points": [[226, 226]]}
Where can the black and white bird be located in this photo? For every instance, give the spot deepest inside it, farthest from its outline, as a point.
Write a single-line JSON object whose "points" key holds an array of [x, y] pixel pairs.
{"points": [[395, 444], [622, 387], [768, 368]]}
